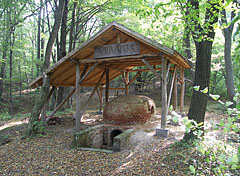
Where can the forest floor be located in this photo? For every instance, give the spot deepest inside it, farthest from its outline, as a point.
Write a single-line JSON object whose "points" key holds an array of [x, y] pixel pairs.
{"points": [[50, 154]]}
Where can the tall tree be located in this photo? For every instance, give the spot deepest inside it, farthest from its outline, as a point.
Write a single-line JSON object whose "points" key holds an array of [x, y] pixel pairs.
{"points": [[62, 49], [227, 33], [203, 35], [46, 85]]}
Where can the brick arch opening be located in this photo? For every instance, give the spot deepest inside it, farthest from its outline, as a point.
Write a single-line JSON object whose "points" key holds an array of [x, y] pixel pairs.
{"points": [[113, 134]]}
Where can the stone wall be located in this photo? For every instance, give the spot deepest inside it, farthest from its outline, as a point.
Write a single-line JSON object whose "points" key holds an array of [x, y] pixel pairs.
{"points": [[121, 141], [107, 129], [91, 137]]}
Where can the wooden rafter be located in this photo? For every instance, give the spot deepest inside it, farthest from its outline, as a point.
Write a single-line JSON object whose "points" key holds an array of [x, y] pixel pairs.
{"points": [[152, 69]]}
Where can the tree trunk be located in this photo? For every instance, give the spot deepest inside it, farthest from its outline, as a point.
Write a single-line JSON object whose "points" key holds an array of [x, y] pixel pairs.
{"points": [[11, 42], [227, 32], [54, 33], [62, 49], [203, 57], [2, 72], [39, 37], [202, 79], [72, 29], [32, 130]]}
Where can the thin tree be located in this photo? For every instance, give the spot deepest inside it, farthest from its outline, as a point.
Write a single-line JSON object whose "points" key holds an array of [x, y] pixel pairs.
{"points": [[227, 33], [32, 130]]}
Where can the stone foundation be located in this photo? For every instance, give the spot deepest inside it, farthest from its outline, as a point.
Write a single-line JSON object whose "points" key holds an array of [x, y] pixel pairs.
{"points": [[103, 136]]}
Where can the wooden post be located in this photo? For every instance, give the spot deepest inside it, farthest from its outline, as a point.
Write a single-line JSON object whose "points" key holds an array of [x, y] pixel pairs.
{"points": [[107, 85], [100, 93], [175, 93], [164, 94], [127, 83], [171, 88], [182, 90], [78, 96]]}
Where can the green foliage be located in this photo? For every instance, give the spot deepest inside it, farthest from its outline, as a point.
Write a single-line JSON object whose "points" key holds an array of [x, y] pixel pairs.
{"points": [[6, 116], [217, 157], [39, 128]]}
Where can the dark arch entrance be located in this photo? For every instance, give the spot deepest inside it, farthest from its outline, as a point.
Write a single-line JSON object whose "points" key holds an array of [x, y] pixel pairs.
{"points": [[113, 134]]}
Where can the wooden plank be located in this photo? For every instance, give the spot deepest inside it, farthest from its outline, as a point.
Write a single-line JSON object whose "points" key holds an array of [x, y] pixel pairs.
{"points": [[171, 88], [60, 105], [78, 97], [115, 50], [107, 85], [72, 74], [152, 69], [164, 94], [182, 90], [175, 104]]}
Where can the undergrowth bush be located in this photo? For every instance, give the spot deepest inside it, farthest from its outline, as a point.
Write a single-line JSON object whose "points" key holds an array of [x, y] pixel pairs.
{"points": [[217, 157]]}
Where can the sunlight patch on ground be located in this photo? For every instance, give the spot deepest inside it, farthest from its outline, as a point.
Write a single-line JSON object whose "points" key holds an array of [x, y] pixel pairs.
{"points": [[14, 123]]}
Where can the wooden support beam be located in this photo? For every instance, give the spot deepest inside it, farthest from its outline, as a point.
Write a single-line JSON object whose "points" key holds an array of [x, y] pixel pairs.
{"points": [[60, 105], [114, 88], [118, 38], [182, 90], [81, 79], [175, 104], [164, 94], [51, 92], [171, 88], [92, 93], [78, 96], [107, 85], [152, 69], [127, 83], [84, 70], [91, 60], [124, 78], [168, 69], [99, 92], [44, 109], [135, 77]]}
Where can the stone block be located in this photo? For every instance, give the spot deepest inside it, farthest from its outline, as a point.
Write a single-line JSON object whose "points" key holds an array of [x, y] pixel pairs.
{"points": [[121, 139], [162, 132]]}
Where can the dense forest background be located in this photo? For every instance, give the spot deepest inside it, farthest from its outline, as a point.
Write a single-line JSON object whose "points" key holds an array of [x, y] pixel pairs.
{"points": [[26, 26], [35, 34]]}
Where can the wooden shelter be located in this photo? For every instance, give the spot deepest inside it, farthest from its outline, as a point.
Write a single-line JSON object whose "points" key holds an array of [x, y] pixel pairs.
{"points": [[113, 52]]}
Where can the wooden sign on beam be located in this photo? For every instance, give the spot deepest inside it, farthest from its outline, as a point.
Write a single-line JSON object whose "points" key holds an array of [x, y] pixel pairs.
{"points": [[115, 50]]}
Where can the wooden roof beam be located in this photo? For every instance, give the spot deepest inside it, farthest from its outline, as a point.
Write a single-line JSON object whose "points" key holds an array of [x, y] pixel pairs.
{"points": [[92, 60]]}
